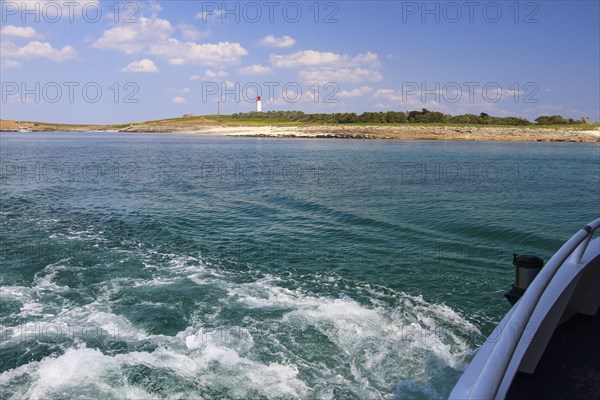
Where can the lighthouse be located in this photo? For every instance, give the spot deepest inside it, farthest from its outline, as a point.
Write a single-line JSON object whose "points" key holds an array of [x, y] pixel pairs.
{"points": [[258, 104]]}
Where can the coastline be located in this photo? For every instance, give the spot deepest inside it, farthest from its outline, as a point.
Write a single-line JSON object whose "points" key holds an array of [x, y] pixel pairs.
{"points": [[349, 131], [405, 132]]}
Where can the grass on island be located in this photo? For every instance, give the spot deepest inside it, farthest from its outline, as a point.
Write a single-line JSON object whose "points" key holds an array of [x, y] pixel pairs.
{"points": [[229, 120], [194, 122], [225, 120]]}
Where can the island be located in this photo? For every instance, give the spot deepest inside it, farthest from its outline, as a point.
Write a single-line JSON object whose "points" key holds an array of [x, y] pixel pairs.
{"points": [[414, 125]]}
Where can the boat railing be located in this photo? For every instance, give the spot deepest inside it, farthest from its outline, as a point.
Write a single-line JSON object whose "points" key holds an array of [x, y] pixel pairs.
{"points": [[491, 375]]}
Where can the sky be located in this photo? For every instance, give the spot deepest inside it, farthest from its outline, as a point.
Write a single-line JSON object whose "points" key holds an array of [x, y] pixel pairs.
{"points": [[89, 61]]}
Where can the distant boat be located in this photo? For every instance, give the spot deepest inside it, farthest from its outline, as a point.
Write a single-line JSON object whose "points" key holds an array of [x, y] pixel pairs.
{"points": [[24, 128]]}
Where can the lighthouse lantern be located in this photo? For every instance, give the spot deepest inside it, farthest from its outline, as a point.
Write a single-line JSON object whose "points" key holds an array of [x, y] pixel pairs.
{"points": [[258, 104]]}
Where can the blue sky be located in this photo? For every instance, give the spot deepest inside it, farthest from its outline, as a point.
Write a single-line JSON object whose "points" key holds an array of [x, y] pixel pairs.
{"points": [[162, 59]]}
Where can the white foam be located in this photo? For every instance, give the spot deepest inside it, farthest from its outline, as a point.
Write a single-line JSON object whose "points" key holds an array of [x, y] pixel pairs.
{"points": [[18, 293], [48, 316], [87, 368], [377, 342], [374, 345], [26, 296], [80, 368], [156, 281], [44, 280]]}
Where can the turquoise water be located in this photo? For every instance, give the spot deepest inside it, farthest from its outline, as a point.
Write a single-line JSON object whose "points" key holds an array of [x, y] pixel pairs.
{"points": [[186, 266]]}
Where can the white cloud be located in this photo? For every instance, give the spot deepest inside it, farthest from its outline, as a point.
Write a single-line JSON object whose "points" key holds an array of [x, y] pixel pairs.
{"points": [[389, 94], [37, 49], [353, 75], [449, 100], [331, 67], [290, 97], [24, 32], [210, 15], [255, 69], [135, 38], [10, 64], [213, 54], [281, 42], [369, 59], [191, 34], [305, 58], [178, 100], [144, 66], [154, 36], [184, 90], [312, 58], [414, 101], [396, 96], [154, 6], [215, 75], [356, 92]]}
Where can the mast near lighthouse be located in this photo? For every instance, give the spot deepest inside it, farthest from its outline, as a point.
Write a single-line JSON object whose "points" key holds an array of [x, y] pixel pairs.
{"points": [[258, 104]]}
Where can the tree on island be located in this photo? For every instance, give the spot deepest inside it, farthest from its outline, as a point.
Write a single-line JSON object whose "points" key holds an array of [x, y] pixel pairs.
{"points": [[555, 120], [424, 116]]}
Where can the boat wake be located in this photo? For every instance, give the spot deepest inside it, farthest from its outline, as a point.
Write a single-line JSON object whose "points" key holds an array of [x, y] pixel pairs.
{"points": [[177, 327]]}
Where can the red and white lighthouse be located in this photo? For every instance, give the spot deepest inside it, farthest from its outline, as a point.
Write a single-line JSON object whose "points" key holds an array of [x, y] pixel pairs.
{"points": [[258, 104]]}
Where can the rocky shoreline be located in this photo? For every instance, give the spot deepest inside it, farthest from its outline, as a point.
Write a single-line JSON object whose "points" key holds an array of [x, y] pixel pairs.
{"points": [[400, 132], [405, 132]]}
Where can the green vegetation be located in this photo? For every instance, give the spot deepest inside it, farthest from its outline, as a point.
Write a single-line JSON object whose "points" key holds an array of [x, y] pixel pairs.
{"points": [[300, 119], [555, 120], [392, 117]]}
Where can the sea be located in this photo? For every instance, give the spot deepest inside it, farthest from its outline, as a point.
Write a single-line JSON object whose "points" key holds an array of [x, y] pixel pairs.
{"points": [[181, 266]]}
